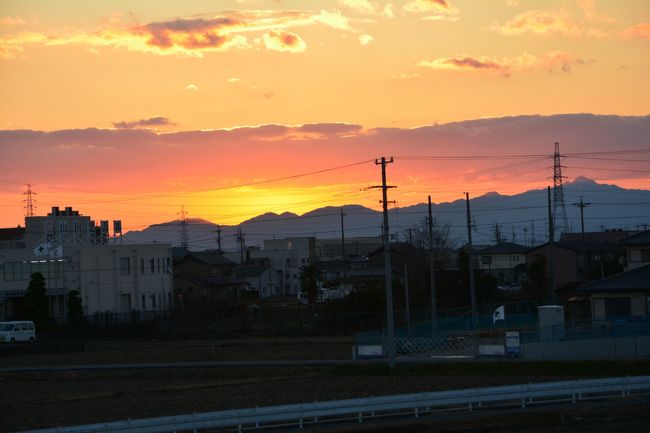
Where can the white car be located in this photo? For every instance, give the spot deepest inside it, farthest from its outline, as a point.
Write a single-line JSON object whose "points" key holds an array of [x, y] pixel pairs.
{"points": [[18, 331]]}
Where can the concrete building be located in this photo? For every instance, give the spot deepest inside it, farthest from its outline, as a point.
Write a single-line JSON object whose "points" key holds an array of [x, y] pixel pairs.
{"points": [[73, 253], [287, 256]]}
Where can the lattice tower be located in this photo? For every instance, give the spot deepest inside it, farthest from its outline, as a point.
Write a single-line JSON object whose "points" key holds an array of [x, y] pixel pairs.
{"points": [[560, 220], [184, 227], [29, 201]]}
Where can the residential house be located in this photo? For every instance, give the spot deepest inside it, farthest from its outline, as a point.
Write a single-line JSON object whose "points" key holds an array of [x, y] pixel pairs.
{"points": [[204, 276], [637, 249], [288, 256], [262, 279], [505, 261], [623, 296]]}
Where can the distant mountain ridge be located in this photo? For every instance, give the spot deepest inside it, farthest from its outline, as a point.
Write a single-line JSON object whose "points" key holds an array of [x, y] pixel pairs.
{"points": [[522, 218]]}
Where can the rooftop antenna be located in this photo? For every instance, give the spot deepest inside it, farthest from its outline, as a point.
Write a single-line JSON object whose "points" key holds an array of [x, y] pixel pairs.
{"points": [[29, 201]]}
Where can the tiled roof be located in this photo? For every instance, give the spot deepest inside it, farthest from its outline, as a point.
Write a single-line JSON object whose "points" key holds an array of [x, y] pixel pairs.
{"points": [[504, 248], [209, 258], [635, 280], [10, 234], [642, 238]]}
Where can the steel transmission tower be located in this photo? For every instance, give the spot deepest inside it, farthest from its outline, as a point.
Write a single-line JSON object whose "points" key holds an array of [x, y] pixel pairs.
{"points": [[29, 201], [559, 211], [184, 229]]}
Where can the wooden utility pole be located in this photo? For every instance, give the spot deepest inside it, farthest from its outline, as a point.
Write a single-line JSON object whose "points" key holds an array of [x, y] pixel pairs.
{"points": [[472, 287], [390, 325], [406, 297], [345, 263], [218, 231], [582, 205], [432, 276]]}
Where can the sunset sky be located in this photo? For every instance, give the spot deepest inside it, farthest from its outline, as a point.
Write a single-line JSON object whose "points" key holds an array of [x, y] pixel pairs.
{"points": [[128, 110]]}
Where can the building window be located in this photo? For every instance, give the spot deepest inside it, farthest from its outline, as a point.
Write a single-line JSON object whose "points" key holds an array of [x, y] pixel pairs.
{"points": [[144, 302], [142, 266], [125, 266], [169, 265], [152, 268], [486, 260], [158, 264], [153, 302]]}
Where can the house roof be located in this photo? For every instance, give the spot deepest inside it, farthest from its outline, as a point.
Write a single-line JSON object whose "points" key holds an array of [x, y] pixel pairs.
{"points": [[635, 280], [207, 257], [577, 246], [12, 233], [608, 236], [504, 248], [642, 238], [250, 271]]}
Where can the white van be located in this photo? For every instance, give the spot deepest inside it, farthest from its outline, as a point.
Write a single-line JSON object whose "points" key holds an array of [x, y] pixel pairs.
{"points": [[16, 332]]}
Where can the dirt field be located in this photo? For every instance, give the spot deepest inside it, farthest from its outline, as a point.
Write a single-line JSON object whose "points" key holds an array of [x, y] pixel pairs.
{"points": [[48, 399]]}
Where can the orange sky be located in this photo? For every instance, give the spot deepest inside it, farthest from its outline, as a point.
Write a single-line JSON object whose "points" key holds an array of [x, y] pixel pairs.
{"points": [[104, 103]]}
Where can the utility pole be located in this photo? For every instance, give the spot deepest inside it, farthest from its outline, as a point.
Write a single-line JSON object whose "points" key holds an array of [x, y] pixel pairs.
{"points": [[432, 274], [390, 325], [218, 231], [472, 287], [184, 229], [582, 205], [525, 236], [551, 237], [532, 233], [29, 201], [240, 239], [497, 234], [345, 263], [406, 297]]}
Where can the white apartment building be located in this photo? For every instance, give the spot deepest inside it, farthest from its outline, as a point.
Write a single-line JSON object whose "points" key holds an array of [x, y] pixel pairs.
{"points": [[73, 253]]}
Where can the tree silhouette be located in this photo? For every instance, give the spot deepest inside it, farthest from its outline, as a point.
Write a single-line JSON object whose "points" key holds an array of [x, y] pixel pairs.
{"points": [[36, 303], [309, 276], [75, 310]]}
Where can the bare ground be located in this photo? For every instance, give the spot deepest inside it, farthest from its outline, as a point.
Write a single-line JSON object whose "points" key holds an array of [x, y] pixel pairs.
{"points": [[49, 399]]}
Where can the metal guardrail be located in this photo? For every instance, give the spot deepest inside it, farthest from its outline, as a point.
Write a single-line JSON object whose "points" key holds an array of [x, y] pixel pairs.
{"points": [[372, 407]]}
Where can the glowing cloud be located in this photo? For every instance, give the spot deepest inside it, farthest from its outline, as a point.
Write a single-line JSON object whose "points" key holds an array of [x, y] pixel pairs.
{"points": [[192, 87], [425, 6], [365, 39], [556, 61], [11, 46], [362, 6], [191, 37], [540, 22], [144, 123], [639, 31], [333, 19], [11, 21], [284, 42], [589, 9]]}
